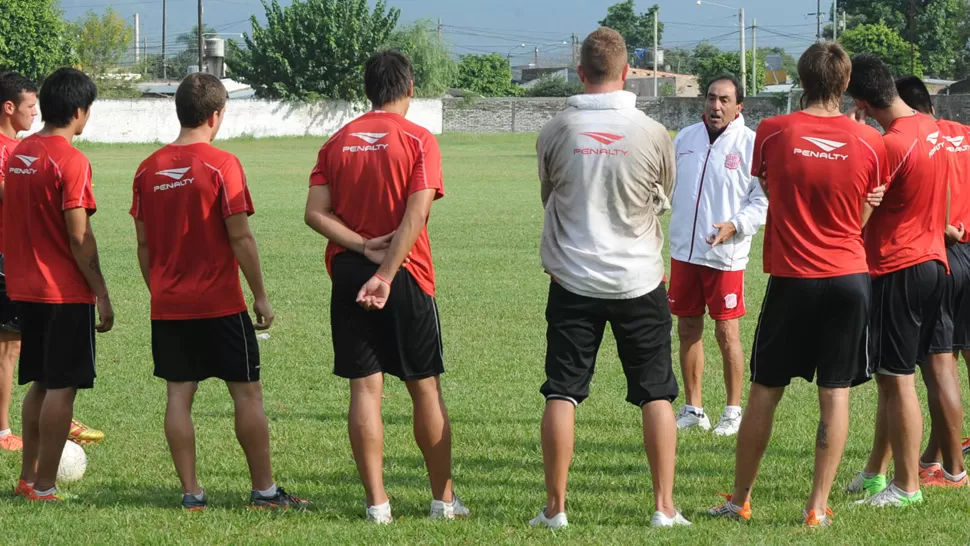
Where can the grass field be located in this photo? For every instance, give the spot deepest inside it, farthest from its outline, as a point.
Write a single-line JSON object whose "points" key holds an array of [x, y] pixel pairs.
{"points": [[485, 236]]}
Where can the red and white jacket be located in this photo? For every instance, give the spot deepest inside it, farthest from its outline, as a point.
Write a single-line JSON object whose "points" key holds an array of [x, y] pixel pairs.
{"points": [[714, 185]]}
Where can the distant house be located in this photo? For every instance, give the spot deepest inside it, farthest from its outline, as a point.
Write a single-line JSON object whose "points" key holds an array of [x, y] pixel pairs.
{"points": [[640, 81], [937, 87], [775, 73], [161, 89], [532, 74]]}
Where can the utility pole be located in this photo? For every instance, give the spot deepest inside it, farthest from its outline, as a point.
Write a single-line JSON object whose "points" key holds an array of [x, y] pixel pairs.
{"points": [[439, 31], [742, 53], [201, 44], [164, 30], [754, 56], [912, 36], [656, 25], [575, 42], [835, 20], [537, 56], [137, 40], [818, 22]]}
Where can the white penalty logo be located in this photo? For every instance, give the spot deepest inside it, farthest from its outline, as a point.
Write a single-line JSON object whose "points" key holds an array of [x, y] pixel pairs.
{"points": [[178, 175], [370, 138], [27, 161], [827, 147]]}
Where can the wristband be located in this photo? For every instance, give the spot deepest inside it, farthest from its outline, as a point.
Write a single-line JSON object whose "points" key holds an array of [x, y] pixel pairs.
{"points": [[382, 279]]}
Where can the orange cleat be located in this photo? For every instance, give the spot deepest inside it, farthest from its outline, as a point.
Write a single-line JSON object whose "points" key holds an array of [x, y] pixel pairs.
{"points": [[11, 442], [939, 479], [812, 520], [966, 445], [82, 434], [926, 471], [23, 489], [53, 497], [730, 510]]}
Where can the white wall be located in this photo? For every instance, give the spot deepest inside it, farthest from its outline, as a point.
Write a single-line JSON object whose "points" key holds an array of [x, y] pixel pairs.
{"points": [[151, 120]]}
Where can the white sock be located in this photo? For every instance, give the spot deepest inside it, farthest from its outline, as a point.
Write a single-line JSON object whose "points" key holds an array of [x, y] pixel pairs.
{"points": [[4, 432], [926, 465], [694, 409], [869, 475], [956, 478], [269, 493], [386, 507], [902, 493], [736, 410], [50, 491], [197, 496]]}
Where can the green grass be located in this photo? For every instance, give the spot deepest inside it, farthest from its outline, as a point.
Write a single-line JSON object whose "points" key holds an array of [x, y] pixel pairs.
{"points": [[485, 236]]}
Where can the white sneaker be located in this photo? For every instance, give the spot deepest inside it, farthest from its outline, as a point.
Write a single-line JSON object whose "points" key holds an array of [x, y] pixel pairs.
{"points": [[729, 424], [448, 510], [892, 496], [555, 523], [380, 514], [688, 419], [661, 520]]}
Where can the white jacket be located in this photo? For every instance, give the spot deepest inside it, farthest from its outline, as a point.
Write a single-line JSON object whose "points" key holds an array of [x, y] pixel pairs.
{"points": [[714, 185]]}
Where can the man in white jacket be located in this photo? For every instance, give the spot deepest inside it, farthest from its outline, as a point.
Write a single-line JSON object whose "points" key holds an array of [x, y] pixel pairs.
{"points": [[717, 208], [606, 170]]}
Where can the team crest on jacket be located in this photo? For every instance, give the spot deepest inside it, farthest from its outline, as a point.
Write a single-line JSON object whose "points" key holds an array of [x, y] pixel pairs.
{"points": [[733, 162]]}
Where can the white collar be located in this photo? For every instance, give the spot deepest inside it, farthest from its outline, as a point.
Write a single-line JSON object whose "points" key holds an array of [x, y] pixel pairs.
{"points": [[617, 100]]}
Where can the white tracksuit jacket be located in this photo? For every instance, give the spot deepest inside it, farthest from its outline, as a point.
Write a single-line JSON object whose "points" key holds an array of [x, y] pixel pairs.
{"points": [[714, 185]]}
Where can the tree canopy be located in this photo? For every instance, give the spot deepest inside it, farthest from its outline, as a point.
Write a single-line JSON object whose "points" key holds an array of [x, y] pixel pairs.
{"points": [[884, 42], [637, 29], [34, 38], [434, 69], [488, 75]]}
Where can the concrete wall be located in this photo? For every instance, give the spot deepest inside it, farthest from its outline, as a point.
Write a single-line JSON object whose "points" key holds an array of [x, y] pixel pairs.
{"points": [[154, 120]]}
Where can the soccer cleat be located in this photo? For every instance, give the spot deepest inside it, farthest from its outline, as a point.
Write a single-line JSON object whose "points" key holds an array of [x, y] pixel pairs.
{"points": [[966, 445], [53, 497], [448, 510], [555, 522], [81, 434], [869, 486], [731, 510], [192, 503], [812, 520], [689, 419], [281, 501], [11, 442], [729, 424], [892, 496], [939, 479], [380, 514], [661, 520], [23, 489], [926, 471]]}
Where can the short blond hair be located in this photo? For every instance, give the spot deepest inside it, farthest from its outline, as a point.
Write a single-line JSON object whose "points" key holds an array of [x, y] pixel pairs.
{"points": [[603, 56]]}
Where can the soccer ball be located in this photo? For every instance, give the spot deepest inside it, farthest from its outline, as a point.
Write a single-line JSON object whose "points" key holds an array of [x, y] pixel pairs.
{"points": [[73, 463]]}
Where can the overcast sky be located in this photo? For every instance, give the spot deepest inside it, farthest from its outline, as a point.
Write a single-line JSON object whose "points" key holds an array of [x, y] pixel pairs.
{"points": [[504, 25]]}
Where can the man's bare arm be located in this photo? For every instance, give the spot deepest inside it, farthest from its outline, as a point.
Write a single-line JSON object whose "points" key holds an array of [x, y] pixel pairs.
{"points": [[84, 248], [320, 217]]}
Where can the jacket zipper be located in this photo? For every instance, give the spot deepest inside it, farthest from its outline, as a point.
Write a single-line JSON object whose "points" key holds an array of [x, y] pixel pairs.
{"points": [[697, 206]]}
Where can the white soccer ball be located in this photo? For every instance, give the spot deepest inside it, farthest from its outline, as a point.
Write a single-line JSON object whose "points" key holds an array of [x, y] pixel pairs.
{"points": [[73, 463]]}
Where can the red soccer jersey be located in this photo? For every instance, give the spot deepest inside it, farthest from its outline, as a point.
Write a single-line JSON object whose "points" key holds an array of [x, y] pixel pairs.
{"points": [[819, 170], [184, 194], [372, 166], [7, 145], [957, 142], [45, 176], [909, 226]]}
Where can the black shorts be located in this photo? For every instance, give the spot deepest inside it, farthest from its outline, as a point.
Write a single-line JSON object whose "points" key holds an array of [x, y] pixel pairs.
{"points": [[8, 309], [402, 339], [952, 330], [906, 305], [197, 349], [812, 327], [575, 330], [57, 344]]}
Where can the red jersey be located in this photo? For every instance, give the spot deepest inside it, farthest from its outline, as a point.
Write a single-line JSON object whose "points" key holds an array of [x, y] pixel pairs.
{"points": [[957, 143], [909, 227], [184, 194], [45, 176], [372, 166], [7, 145], [819, 170]]}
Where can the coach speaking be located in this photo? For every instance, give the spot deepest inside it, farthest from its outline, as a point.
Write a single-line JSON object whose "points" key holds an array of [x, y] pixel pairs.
{"points": [[717, 207]]}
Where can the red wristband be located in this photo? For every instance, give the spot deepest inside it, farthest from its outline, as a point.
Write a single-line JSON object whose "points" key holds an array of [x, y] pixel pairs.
{"points": [[382, 279]]}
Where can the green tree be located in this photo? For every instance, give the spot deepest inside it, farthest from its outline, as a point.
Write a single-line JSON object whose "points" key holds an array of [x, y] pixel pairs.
{"points": [[33, 38], [434, 68], [488, 75], [312, 49], [884, 42], [100, 41], [554, 86], [637, 29], [680, 61], [728, 62]]}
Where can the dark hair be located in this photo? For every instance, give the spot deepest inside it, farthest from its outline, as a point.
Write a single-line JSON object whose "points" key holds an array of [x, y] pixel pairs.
{"points": [[738, 90], [603, 56], [824, 71], [199, 96], [914, 93], [13, 86], [387, 77], [872, 81], [65, 92]]}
